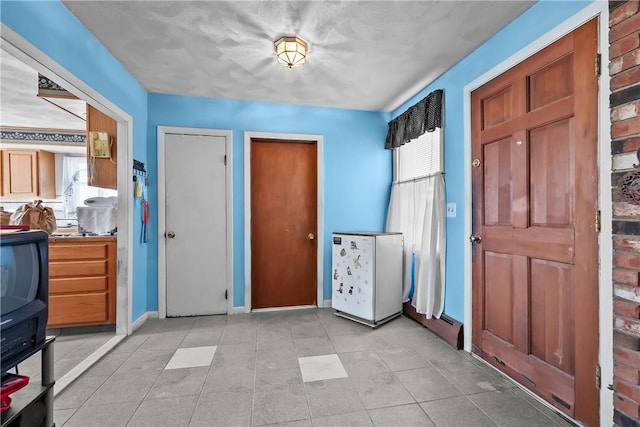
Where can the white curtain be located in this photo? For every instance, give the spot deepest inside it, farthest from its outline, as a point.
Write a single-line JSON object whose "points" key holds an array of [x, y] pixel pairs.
{"points": [[417, 209]]}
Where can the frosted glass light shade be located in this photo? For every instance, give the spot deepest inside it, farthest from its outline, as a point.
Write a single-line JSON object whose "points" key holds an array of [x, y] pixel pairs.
{"points": [[291, 51]]}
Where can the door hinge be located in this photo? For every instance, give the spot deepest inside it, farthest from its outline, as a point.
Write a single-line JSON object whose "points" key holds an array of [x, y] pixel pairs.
{"points": [[598, 65], [226, 294], [598, 221], [225, 160], [598, 377]]}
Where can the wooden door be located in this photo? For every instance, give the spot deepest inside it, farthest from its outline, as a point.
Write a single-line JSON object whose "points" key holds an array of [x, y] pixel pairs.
{"points": [[195, 224], [283, 223], [535, 283]]}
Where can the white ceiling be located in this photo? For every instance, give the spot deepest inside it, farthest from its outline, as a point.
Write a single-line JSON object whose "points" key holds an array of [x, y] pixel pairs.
{"points": [[20, 107], [369, 55]]}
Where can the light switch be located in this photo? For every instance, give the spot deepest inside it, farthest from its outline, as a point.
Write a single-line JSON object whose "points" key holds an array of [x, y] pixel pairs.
{"points": [[451, 210]]}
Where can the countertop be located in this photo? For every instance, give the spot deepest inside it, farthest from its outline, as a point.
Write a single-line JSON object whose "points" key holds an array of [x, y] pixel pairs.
{"points": [[79, 238]]}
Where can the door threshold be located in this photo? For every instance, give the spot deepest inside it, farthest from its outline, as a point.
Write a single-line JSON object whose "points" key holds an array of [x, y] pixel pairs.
{"points": [[292, 307]]}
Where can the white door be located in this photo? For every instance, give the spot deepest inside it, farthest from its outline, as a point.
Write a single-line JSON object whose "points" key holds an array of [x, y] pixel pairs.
{"points": [[195, 212]]}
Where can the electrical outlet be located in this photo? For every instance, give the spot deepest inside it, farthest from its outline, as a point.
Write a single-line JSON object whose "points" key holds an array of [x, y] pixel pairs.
{"points": [[451, 210]]}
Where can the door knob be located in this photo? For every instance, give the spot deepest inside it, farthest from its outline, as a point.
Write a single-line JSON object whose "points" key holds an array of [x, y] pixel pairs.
{"points": [[311, 236], [475, 238], [170, 234]]}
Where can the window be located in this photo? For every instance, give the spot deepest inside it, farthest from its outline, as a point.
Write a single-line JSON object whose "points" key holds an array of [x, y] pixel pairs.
{"points": [[419, 157], [76, 188]]}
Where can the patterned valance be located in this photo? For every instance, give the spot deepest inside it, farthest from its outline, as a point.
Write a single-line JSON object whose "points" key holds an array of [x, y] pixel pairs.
{"points": [[425, 116]]}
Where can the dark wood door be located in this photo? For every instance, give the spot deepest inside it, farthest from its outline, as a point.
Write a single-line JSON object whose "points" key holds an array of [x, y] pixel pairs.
{"points": [[283, 223], [535, 283]]}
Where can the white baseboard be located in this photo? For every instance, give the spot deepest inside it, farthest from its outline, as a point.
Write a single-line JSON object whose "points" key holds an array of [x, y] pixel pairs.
{"points": [[140, 320], [238, 310]]}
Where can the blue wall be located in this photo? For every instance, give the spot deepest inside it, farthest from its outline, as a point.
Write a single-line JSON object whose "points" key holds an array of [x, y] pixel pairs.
{"points": [[55, 31], [356, 168], [536, 21], [357, 171]]}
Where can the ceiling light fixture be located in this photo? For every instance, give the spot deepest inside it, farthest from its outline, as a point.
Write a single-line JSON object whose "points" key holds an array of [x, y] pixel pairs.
{"points": [[291, 51]]}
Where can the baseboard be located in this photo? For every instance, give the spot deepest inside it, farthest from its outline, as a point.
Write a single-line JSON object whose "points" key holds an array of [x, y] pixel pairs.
{"points": [[445, 327], [327, 303], [143, 318], [238, 310]]}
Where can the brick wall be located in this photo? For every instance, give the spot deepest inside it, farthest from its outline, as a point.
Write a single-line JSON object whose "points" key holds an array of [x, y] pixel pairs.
{"points": [[624, 69]]}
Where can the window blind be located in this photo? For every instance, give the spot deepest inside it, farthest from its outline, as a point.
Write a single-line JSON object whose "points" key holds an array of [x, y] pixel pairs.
{"points": [[421, 157]]}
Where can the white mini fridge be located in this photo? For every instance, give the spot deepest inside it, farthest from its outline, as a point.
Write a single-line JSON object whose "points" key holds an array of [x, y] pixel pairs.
{"points": [[367, 276]]}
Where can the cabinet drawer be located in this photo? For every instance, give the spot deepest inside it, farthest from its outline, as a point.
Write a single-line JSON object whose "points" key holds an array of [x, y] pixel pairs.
{"points": [[78, 284], [77, 251], [78, 268], [78, 309]]}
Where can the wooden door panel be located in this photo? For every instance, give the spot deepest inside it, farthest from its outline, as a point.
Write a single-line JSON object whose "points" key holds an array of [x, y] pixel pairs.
{"points": [[497, 182], [552, 313], [498, 294], [551, 83], [554, 244], [531, 371], [496, 108], [535, 283], [551, 164], [283, 213]]}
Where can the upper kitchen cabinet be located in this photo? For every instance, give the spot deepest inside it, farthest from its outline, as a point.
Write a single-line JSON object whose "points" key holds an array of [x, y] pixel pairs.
{"points": [[28, 174], [101, 149]]}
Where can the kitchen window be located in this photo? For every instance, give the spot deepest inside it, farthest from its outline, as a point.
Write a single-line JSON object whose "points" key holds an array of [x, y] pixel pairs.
{"points": [[75, 185]]}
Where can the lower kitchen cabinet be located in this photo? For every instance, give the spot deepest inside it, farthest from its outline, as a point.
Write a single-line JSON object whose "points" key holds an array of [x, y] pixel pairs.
{"points": [[82, 281]]}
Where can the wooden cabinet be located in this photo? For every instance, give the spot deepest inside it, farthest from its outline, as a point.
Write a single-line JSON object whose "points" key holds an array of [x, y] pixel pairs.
{"points": [[82, 281], [28, 174], [102, 170]]}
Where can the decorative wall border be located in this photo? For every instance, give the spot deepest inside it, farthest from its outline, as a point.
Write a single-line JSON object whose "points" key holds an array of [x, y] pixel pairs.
{"points": [[42, 136]]}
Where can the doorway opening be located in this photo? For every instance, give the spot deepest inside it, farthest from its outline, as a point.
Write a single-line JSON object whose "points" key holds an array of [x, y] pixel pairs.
{"points": [[120, 242]]}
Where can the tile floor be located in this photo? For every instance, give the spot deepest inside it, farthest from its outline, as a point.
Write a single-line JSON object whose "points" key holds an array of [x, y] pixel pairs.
{"points": [[292, 368], [71, 347]]}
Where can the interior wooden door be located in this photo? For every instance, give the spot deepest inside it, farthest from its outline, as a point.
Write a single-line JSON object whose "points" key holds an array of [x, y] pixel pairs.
{"points": [[535, 283], [283, 223]]}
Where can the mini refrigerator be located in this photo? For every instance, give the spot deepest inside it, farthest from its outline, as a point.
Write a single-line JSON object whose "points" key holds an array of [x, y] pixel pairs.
{"points": [[367, 276]]}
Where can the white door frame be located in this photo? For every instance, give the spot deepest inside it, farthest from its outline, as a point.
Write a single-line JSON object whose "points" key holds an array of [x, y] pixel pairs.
{"points": [[163, 131], [20, 48], [596, 9], [247, 209]]}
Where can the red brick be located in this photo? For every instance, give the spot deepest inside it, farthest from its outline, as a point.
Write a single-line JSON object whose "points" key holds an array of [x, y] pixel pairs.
{"points": [[624, 28], [626, 243], [626, 308], [630, 391], [625, 276], [624, 62], [626, 373], [626, 406], [626, 357], [626, 128], [623, 12], [626, 260], [625, 78], [627, 211], [626, 111], [631, 144], [621, 339], [624, 45], [629, 327]]}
